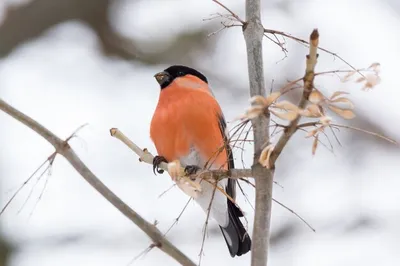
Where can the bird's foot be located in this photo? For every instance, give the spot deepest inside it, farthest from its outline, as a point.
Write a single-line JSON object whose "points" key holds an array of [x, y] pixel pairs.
{"points": [[156, 162], [191, 170]]}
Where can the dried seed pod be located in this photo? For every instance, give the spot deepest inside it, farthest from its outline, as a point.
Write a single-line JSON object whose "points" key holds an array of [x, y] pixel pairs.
{"points": [[345, 113], [337, 93], [315, 145], [325, 120], [286, 105], [312, 132], [343, 100], [371, 81], [272, 98], [258, 100], [316, 97], [290, 116], [265, 155], [348, 76], [312, 110]]}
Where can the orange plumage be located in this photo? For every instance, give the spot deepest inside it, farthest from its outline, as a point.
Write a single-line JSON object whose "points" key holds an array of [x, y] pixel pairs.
{"points": [[186, 116]]}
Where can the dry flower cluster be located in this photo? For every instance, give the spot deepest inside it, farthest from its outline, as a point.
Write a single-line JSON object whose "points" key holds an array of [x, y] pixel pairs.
{"points": [[316, 109], [370, 80]]}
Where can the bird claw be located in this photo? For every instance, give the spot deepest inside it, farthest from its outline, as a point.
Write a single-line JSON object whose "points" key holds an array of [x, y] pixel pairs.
{"points": [[191, 169], [156, 162]]}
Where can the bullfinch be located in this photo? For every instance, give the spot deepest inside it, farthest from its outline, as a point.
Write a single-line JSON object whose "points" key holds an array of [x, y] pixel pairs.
{"points": [[188, 125]]}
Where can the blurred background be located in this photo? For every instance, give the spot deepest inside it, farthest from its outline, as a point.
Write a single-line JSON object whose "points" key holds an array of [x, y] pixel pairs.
{"points": [[71, 62]]}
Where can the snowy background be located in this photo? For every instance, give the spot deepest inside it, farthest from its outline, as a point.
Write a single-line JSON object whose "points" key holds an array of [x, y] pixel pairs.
{"points": [[73, 72]]}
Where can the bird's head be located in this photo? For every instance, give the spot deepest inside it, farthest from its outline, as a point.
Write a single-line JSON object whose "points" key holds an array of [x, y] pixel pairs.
{"points": [[166, 77]]}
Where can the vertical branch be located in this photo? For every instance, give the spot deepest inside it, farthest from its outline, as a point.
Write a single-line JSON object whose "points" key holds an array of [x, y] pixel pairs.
{"points": [[253, 34], [308, 80]]}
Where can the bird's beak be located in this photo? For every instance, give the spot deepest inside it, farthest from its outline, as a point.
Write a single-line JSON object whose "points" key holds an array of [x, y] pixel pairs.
{"points": [[162, 77]]}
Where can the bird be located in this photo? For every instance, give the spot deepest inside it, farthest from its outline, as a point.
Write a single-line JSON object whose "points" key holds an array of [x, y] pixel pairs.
{"points": [[188, 125]]}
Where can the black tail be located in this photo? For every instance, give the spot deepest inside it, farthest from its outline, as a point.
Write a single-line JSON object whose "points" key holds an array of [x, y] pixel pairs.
{"points": [[236, 236]]}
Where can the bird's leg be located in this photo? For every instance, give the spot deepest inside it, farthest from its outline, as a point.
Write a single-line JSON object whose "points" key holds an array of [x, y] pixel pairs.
{"points": [[156, 162], [191, 169]]}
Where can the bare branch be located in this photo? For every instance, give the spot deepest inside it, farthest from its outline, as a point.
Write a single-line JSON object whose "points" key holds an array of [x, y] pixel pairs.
{"points": [[281, 33], [47, 169], [165, 191], [308, 80], [276, 201], [293, 212], [26, 181], [292, 85], [367, 132], [230, 11], [253, 32], [65, 150], [311, 124], [142, 253], [179, 216], [146, 157]]}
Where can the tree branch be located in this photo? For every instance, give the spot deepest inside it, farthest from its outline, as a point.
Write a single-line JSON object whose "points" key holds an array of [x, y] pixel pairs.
{"points": [[253, 34], [308, 80], [314, 124], [283, 34], [146, 157], [63, 148], [235, 17]]}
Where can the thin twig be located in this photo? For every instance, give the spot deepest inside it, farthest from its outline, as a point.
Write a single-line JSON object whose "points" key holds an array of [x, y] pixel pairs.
{"points": [[141, 254], [230, 11], [206, 224], [290, 86], [276, 201], [309, 124], [319, 141], [246, 197], [35, 184], [283, 34], [163, 193], [179, 216], [336, 137], [26, 181], [297, 215], [74, 134], [337, 71], [367, 132], [41, 193], [222, 191]]}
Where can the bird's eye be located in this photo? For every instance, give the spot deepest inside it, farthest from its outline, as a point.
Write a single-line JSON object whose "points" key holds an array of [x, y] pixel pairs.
{"points": [[180, 73]]}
